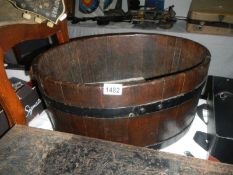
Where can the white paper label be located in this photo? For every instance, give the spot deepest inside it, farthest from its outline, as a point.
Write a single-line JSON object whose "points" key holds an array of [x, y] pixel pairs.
{"points": [[112, 89]]}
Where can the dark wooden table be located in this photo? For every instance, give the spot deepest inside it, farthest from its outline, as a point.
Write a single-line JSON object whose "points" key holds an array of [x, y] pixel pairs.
{"points": [[25, 150]]}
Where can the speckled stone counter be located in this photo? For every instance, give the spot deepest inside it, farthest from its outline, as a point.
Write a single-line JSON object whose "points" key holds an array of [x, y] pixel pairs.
{"points": [[25, 150]]}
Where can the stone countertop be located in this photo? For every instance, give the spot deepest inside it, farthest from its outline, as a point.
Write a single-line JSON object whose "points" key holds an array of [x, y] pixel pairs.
{"points": [[25, 150]]}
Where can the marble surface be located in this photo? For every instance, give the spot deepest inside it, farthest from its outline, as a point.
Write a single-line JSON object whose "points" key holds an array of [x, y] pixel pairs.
{"points": [[24, 150]]}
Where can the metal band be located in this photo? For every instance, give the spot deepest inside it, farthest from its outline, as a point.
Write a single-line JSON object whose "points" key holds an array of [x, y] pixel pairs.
{"points": [[130, 111], [211, 23]]}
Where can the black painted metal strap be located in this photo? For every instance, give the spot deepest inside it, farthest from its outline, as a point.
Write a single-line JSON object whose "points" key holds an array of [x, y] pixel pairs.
{"points": [[211, 23], [130, 111]]}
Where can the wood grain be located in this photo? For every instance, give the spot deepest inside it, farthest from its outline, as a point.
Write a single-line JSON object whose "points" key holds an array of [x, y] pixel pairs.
{"points": [[166, 66]]}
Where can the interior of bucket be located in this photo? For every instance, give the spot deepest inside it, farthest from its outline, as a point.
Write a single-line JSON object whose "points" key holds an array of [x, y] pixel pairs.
{"points": [[125, 57]]}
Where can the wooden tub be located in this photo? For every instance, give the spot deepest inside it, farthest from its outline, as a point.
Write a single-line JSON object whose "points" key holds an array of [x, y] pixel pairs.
{"points": [[139, 89]]}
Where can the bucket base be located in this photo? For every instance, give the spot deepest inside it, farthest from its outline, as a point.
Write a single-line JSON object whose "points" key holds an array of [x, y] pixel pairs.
{"points": [[171, 140]]}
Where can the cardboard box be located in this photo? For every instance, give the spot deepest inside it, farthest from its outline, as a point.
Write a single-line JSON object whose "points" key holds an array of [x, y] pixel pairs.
{"points": [[4, 126], [220, 121], [29, 97], [30, 100]]}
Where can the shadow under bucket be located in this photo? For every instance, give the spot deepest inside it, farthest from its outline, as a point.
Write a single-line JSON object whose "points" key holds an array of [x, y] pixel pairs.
{"points": [[139, 89]]}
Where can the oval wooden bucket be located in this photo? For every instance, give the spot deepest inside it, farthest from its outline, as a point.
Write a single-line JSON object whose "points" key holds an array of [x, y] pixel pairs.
{"points": [[159, 79]]}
